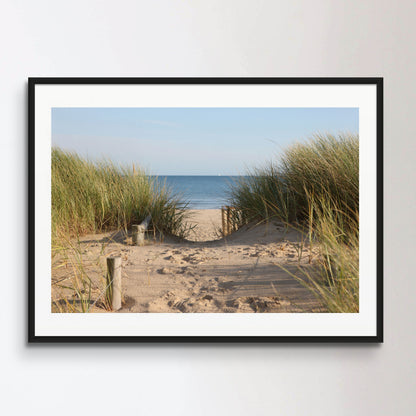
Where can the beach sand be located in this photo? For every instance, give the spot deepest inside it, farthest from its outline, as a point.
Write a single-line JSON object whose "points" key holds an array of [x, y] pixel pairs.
{"points": [[207, 223], [248, 271]]}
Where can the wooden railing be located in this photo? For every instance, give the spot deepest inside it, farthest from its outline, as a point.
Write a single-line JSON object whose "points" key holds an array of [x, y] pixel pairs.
{"points": [[230, 220]]}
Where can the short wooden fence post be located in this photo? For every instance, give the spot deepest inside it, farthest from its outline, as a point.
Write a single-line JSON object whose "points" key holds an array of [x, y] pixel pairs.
{"points": [[138, 235], [228, 220], [236, 220], [139, 230], [223, 221], [114, 282]]}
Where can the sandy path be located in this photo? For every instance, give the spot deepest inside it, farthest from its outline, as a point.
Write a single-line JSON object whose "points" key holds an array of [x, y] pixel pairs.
{"points": [[207, 223], [240, 273]]}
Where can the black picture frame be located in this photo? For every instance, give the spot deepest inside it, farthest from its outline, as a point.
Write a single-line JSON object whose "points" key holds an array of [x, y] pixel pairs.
{"points": [[33, 338]]}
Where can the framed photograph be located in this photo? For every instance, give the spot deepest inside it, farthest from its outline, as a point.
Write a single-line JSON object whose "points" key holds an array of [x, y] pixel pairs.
{"points": [[205, 209]]}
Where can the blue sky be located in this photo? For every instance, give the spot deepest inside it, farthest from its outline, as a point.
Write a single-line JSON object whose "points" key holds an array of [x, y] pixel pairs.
{"points": [[193, 141]]}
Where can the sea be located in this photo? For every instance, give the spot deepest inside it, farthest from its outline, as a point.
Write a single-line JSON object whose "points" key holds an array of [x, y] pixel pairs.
{"points": [[201, 192]]}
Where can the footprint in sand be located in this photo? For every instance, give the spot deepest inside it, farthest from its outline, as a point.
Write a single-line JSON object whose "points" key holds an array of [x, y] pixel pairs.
{"points": [[172, 259], [168, 270], [256, 304]]}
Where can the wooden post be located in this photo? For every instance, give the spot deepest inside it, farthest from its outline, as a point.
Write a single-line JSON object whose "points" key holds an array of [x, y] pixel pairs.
{"points": [[138, 238], [228, 220], [138, 231], [235, 219], [146, 222], [114, 282], [223, 221]]}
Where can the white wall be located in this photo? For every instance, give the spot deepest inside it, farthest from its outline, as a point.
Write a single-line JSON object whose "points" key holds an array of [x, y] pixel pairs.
{"points": [[211, 38]]}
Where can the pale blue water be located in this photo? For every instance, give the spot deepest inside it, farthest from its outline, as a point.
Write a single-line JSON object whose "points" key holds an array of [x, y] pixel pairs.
{"points": [[202, 192]]}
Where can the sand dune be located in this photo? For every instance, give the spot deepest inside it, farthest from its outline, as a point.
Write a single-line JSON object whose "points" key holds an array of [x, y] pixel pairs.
{"points": [[244, 272]]}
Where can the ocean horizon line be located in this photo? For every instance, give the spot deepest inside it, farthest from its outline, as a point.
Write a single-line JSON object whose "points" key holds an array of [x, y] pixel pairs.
{"points": [[200, 191]]}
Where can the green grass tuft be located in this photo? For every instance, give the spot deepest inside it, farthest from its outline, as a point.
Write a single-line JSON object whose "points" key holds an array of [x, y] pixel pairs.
{"points": [[90, 197], [314, 187]]}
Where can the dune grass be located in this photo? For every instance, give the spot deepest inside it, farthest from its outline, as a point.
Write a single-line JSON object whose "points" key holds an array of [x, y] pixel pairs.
{"points": [[89, 198], [313, 187]]}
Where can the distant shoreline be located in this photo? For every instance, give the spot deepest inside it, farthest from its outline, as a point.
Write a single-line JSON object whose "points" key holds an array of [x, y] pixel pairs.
{"points": [[199, 191]]}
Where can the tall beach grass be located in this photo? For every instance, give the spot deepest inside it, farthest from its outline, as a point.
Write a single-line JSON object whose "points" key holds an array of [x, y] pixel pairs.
{"points": [[90, 197], [313, 187]]}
